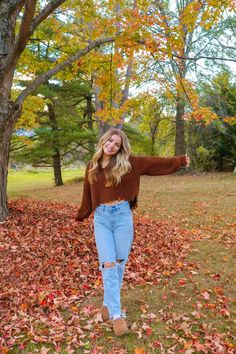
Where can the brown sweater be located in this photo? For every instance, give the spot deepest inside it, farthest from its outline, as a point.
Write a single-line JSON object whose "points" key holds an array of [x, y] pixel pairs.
{"points": [[96, 193]]}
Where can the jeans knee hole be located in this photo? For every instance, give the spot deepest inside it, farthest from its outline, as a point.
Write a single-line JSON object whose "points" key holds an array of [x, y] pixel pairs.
{"points": [[120, 261], [108, 265]]}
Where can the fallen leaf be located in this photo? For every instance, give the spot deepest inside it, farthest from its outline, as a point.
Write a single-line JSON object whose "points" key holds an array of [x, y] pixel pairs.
{"points": [[139, 350]]}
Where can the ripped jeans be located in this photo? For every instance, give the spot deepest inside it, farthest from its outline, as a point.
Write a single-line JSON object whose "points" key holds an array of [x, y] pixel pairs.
{"points": [[113, 228]]}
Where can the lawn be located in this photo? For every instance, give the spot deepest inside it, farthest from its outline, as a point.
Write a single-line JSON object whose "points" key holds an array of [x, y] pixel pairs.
{"points": [[28, 183], [192, 307]]}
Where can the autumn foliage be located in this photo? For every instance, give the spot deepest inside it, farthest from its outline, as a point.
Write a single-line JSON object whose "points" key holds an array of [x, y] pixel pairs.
{"points": [[49, 272]]}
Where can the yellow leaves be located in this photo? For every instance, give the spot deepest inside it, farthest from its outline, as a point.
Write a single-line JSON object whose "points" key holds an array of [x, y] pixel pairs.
{"points": [[112, 115], [230, 120], [213, 12], [74, 309], [170, 94], [189, 15], [208, 26], [185, 87], [32, 106]]}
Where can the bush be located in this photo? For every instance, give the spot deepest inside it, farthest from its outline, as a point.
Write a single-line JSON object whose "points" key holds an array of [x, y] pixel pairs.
{"points": [[203, 159], [75, 180]]}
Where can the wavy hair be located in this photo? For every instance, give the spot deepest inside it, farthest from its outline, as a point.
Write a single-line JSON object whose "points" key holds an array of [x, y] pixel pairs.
{"points": [[119, 163]]}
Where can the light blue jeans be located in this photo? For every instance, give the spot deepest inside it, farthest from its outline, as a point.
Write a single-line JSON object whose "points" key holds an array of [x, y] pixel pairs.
{"points": [[113, 228]]}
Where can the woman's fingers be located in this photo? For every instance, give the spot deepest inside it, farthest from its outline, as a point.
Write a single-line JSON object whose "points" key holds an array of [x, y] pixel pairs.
{"points": [[187, 160]]}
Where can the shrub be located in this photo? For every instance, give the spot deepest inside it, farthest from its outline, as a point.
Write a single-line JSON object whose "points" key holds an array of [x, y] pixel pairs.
{"points": [[203, 159]]}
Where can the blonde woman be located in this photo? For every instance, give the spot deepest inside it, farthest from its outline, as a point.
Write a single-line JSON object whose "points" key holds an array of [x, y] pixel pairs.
{"points": [[111, 189]]}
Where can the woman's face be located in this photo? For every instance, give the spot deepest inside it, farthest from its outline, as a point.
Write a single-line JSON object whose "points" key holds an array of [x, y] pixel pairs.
{"points": [[112, 145]]}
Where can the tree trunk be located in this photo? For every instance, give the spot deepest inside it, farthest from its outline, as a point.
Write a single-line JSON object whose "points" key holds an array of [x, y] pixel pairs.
{"points": [[180, 147], [4, 159], [7, 115], [57, 168], [89, 113], [55, 146], [103, 127]]}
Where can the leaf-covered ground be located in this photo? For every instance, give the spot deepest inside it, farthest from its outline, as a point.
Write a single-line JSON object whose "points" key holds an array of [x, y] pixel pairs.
{"points": [[49, 273], [175, 304]]}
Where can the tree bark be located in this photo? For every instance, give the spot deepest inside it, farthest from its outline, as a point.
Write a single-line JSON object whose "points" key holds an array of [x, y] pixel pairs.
{"points": [[89, 113], [57, 168], [180, 147], [8, 115], [55, 146]]}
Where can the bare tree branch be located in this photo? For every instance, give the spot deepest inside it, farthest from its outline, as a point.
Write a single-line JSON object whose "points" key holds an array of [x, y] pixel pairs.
{"points": [[25, 26], [203, 57], [225, 46]]}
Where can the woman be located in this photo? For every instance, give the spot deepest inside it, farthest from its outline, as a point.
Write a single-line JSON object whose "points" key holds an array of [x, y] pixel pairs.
{"points": [[111, 188]]}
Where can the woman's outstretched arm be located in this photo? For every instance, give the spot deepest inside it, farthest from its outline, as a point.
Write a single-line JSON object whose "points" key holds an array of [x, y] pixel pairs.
{"points": [[155, 166]]}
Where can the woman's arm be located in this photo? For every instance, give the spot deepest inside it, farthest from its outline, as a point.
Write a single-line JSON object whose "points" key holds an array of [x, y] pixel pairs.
{"points": [[85, 208], [155, 166]]}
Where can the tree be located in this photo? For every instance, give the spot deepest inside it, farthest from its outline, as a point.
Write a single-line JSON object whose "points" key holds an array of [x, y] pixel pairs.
{"points": [[179, 34], [20, 20], [63, 132], [150, 116], [112, 70], [221, 96]]}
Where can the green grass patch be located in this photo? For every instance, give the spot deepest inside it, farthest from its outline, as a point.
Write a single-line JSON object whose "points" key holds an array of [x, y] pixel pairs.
{"points": [[28, 182]]}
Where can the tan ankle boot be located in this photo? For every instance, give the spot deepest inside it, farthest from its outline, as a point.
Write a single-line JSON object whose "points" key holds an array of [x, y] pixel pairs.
{"points": [[105, 313], [120, 326]]}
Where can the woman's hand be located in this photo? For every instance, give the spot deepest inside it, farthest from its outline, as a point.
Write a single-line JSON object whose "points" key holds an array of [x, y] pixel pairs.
{"points": [[187, 160]]}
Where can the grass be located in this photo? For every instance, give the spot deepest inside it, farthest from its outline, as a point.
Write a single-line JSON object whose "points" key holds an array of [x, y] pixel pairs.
{"points": [[31, 182], [181, 310], [181, 305]]}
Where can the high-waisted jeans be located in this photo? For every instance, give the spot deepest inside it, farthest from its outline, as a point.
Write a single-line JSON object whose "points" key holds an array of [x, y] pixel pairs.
{"points": [[113, 228]]}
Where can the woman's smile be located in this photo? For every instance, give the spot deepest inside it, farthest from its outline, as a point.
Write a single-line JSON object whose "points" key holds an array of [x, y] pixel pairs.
{"points": [[112, 145]]}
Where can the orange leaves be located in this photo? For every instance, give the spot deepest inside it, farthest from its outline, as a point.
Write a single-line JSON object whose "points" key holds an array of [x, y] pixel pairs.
{"points": [[4, 350], [210, 306], [204, 114], [139, 350], [24, 306]]}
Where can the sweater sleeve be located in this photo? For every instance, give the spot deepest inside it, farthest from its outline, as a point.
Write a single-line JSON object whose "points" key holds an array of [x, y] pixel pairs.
{"points": [[85, 208], [156, 166]]}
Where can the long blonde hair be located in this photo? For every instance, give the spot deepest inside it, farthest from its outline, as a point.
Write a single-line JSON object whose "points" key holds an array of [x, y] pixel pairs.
{"points": [[119, 163]]}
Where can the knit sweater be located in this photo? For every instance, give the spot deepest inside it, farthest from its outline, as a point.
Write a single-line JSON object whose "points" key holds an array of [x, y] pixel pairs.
{"points": [[128, 189]]}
